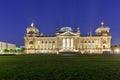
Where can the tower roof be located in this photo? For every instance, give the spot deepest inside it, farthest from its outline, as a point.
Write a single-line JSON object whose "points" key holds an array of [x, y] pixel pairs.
{"points": [[102, 29], [32, 29], [65, 29]]}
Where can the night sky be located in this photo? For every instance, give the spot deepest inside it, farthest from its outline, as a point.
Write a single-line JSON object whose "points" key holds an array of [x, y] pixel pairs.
{"points": [[17, 15]]}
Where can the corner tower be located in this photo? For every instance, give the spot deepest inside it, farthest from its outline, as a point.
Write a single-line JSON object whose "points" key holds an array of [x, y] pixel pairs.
{"points": [[103, 30], [32, 31], [105, 37], [31, 39]]}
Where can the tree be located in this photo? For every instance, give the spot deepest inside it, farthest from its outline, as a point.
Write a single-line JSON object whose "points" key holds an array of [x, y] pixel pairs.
{"points": [[20, 50], [5, 50]]}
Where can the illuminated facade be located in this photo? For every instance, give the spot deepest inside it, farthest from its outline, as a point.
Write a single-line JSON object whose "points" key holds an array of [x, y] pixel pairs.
{"points": [[67, 40], [8, 46]]}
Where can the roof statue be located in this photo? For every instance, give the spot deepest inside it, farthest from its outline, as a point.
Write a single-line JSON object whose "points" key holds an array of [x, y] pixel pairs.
{"points": [[32, 29], [102, 23], [32, 24]]}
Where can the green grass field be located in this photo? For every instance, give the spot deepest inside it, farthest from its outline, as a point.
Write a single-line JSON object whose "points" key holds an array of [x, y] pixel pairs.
{"points": [[58, 67]]}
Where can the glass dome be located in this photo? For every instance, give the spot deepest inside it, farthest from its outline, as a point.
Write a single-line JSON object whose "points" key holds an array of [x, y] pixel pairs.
{"points": [[65, 29]]}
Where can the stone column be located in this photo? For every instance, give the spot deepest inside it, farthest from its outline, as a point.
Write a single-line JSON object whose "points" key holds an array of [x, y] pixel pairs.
{"points": [[65, 43], [72, 43]]}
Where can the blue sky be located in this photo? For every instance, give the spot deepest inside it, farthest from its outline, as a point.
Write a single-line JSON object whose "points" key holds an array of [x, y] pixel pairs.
{"points": [[17, 15]]}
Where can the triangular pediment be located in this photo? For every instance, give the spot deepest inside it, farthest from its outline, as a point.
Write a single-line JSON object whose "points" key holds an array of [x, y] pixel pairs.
{"points": [[68, 33]]}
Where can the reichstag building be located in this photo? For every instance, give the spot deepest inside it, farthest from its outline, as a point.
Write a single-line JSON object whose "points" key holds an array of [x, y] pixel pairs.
{"points": [[68, 40]]}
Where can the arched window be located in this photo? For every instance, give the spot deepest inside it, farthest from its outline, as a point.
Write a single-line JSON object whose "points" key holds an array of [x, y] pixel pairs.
{"points": [[49, 41], [88, 41], [53, 41], [85, 41], [42, 42], [31, 42], [81, 41], [104, 47], [104, 42], [31, 32]]}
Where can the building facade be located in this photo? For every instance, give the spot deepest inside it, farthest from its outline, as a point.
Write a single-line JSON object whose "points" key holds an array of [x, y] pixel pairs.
{"points": [[8, 46], [67, 40]]}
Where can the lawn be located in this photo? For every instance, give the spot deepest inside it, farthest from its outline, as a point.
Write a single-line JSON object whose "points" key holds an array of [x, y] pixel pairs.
{"points": [[59, 67]]}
